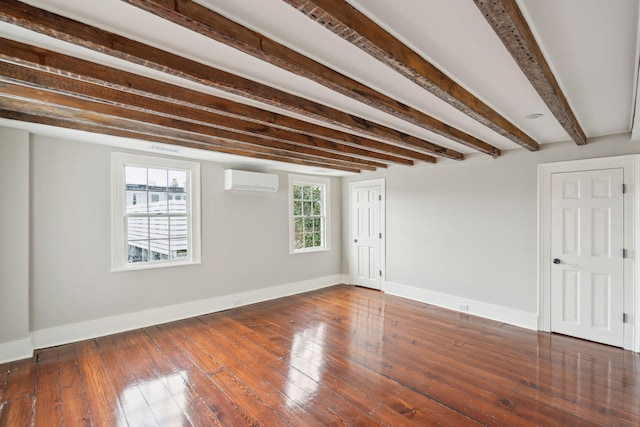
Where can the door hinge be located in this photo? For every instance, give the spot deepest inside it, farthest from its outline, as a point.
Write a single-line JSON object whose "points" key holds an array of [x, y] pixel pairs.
{"points": [[380, 197], [624, 188], [380, 235], [380, 273], [625, 317], [624, 253]]}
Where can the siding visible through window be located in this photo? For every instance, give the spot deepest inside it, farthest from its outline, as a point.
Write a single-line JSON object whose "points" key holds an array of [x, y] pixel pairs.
{"points": [[157, 219]]}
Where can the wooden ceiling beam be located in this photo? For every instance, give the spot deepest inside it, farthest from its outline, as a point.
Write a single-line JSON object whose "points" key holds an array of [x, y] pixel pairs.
{"points": [[33, 112], [132, 120], [44, 22], [69, 87], [352, 25], [200, 19], [56, 63], [507, 21]]}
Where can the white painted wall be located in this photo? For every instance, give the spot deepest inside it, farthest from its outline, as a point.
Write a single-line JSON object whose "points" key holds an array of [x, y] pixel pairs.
{"points": [[467, 230], [244, 242], [14, 236], [245, 246]]}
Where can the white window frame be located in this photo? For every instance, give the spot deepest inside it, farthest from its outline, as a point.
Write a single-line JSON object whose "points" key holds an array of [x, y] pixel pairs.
{"points": [[326, 206], [119, 260]]}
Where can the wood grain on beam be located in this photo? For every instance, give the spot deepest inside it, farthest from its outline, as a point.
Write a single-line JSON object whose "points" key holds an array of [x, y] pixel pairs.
{"points": [[200, 19], [94, 38], [164, 125], [56, 63], [353, 26], [34, 112], [66, 86], [507, 21]]}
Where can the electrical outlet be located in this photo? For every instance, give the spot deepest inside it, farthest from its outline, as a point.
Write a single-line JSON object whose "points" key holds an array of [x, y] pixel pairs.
{"points": [[463, 307]]}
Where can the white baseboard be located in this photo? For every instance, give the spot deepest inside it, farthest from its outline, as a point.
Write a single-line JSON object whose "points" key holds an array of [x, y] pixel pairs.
{"points": [[111, 325], [523, 319], [16, 350], [345, 279]]}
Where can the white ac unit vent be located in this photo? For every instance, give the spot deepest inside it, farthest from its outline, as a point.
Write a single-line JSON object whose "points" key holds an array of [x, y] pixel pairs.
{"points": [[250, 181]]}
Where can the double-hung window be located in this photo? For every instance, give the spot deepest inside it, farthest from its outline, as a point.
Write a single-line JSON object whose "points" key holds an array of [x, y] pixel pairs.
{"points": [[155, 219], [308, 208]]}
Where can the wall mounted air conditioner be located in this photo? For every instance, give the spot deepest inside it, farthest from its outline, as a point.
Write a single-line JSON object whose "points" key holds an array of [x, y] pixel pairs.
{"points": [[250, 181]]}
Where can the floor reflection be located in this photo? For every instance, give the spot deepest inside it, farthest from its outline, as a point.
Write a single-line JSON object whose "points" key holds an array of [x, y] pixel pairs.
{"points": [[163, 398], [306, 364], [367, 332]]}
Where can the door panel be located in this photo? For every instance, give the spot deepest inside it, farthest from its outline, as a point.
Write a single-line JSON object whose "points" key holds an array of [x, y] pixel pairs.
{"points": [[571, 296], [366, 238], [587, 240]]}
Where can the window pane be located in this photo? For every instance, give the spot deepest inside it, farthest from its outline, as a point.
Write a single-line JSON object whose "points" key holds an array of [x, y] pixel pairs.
{"points": [[177, 180], [159, 228], [307, 208], [178, 228], [308, 225], [177, 202], [297, 192], [297, 208], [179, 248], [316, 193], [135, 178], [137, 252], [158, 179], [158, 202], [137, 229], [298, 225], [317, 224], [317, 208], [307, 192], [308, 240], [299, 241], [159, 250], [317, 239], [136, 201]]}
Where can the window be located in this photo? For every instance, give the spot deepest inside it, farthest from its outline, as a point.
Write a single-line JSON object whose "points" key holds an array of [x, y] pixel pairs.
{"points": [[308, 207], [155, 218]]}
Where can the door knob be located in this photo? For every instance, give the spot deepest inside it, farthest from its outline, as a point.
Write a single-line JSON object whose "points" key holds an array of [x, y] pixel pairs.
{"points": [[556, 261], [355, 240]]}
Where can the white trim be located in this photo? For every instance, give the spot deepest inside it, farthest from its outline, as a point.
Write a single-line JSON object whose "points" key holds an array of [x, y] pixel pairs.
{"points": [[345, 279], [326, 206], [16, 350], [383, 228], [111, 325], [523, 319], [118, 245], [631, 202]]}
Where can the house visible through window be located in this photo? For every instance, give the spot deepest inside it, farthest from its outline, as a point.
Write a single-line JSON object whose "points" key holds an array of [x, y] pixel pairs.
{"points": [[308, 196], [155, 205]]}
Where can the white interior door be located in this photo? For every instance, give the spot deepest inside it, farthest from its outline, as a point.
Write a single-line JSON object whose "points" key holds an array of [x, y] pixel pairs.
{"points": [[586, 247], [366, 235]]}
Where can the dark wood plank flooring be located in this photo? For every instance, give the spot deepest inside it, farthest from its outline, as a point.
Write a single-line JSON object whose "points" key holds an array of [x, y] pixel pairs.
{"points": [[338, 356]]}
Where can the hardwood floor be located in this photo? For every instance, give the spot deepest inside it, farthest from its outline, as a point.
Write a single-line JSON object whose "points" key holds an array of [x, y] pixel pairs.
{"points": [[338, 356]]}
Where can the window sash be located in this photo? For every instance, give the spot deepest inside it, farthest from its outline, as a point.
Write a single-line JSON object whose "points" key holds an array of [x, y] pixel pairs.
{"points": [[181, 248], [306, 198]]}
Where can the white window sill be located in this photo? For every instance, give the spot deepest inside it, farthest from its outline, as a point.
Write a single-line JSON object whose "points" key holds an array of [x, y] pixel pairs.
{"points": [[309, 250], [153, 266]]}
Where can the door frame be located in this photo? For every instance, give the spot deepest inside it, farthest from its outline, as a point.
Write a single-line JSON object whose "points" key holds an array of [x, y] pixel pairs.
{"points": [[631, 238], [383, 242]]}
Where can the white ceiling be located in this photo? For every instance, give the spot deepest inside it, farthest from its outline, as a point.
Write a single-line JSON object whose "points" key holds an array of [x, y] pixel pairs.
{"points": [[592, 47]]}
